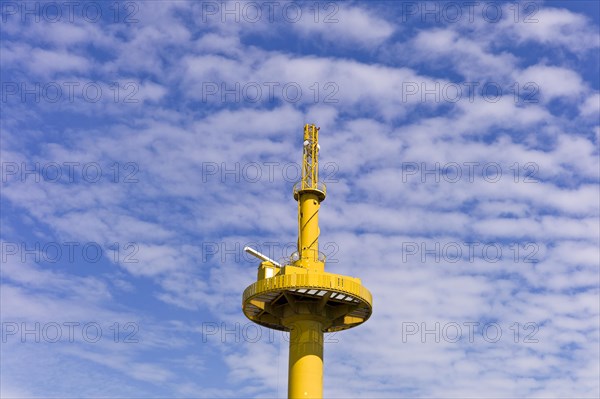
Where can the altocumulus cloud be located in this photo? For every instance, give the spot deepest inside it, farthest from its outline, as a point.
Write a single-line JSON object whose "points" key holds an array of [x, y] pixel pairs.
{"points": [[145, 143]]}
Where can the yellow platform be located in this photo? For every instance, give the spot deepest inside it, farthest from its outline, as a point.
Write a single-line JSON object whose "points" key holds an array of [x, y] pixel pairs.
{"points": [[341, 301]]}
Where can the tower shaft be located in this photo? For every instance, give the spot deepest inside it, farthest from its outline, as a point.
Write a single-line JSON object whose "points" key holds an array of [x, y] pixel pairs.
{"points": [[306, 331], [306, 359], [308, 239]]}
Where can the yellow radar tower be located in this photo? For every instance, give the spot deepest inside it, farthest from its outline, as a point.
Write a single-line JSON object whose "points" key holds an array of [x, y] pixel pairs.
{"points": [[298, 295]]}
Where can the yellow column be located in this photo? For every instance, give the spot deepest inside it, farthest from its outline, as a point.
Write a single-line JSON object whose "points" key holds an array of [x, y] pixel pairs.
{"points": [[309, 232], [306, 360]]}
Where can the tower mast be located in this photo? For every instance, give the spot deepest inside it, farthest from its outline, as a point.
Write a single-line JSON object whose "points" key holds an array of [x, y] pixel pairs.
{"points": [[309, 193], [297, 295]]}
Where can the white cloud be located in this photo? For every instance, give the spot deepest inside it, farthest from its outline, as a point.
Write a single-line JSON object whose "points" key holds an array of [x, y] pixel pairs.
{"points": [[552, 26], [469, 56], [591, 105], [553, 81], [342, 24]]}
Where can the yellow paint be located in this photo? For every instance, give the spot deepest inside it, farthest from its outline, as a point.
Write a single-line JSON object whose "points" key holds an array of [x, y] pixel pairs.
{"points": [[306, 359], [300, 297], [309, 232]]}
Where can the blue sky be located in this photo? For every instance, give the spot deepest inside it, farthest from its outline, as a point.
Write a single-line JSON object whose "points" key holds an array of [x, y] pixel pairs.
{"points": [[144, 144]]}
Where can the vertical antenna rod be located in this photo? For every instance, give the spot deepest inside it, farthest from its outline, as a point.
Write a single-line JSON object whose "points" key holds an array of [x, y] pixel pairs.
{"points": [[309, 193]]}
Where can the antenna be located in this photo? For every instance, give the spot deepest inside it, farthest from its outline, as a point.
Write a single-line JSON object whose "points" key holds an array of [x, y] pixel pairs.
{"points": [[260, 256]]}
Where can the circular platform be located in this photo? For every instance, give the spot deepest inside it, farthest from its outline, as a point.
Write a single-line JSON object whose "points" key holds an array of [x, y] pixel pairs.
{"points": [[341, 302], [320, 190]]}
